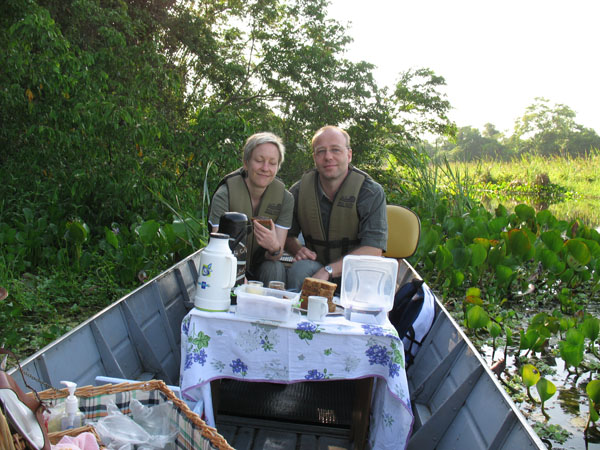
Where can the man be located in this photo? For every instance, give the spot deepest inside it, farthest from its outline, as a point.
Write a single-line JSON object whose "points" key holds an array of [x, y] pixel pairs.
{"points": [[338, 209]]}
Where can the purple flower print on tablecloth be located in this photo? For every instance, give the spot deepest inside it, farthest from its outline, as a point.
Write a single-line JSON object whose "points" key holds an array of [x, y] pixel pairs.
{"points": [[196, 357], [378, 354], [306, 330], [314, 374], [237, 366]]}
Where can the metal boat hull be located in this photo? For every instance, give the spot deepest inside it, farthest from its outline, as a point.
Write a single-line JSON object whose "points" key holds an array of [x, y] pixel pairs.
{"points": [[457, 401]]}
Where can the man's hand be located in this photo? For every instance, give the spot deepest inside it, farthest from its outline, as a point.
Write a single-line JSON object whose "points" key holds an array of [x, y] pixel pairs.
{"points": [[305, 253]]}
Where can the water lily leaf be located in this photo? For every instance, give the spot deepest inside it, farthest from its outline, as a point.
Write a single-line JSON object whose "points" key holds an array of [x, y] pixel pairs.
{"points": [[494, 329], [478, 254], [167, 232], [484, 242], [503, 273], [590, 328], [477, 317], [528, 339], [546, 389], [530, 375], [441, 211], [593, 391], [544, 217], [579, 251], [501, 211], [461, 257], [498, 224], [551, 261], [519, 243], [148, 231], [567, 275], [474, 296], [443, 258], [454, 225], [76, 233], [524, 212], [594, 416], [571, 349], [457, 278], [429, 239], [553, 240], [509, 333], [111, 238], [496, 256]]}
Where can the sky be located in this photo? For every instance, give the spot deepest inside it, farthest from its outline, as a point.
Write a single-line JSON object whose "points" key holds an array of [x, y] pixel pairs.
{"points": [[496, 56]]}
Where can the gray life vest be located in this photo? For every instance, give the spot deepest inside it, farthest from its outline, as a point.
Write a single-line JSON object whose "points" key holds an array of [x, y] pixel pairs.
{"points": [[270, 206], [342, 235]]}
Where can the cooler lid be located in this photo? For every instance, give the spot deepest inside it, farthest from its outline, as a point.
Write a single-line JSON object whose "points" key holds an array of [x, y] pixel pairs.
{"points": [[368, 282]]}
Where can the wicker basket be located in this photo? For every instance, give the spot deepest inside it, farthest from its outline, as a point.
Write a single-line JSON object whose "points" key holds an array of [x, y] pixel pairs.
{"points": [[193, 433]]}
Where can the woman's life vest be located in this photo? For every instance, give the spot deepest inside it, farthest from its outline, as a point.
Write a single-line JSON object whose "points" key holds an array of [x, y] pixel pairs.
{"points": [[269, 206]]}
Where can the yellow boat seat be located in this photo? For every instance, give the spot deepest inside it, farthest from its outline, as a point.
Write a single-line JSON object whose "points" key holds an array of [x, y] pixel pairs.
{"points": [[404, 230]]}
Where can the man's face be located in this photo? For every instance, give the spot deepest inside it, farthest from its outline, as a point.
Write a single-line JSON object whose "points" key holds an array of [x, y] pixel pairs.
{"points": [[331, 155]]}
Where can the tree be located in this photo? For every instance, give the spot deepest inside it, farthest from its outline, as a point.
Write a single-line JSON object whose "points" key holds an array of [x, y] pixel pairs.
{"points": [[420, 107], [551, 130]]}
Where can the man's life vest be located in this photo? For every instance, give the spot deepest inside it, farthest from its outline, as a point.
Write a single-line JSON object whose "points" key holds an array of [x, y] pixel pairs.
{"points": [[270, 206], [342, 235]]}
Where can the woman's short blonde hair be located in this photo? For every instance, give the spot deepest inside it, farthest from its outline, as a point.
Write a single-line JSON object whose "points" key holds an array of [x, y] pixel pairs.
{"points": [[263, 138]]}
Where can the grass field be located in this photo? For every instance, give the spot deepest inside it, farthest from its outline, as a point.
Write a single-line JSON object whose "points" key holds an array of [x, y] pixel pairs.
{"points": [[568, 187]]}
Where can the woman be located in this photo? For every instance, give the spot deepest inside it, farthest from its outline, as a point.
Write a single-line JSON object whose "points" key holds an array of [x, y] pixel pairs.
{"points": [[254, 191]]}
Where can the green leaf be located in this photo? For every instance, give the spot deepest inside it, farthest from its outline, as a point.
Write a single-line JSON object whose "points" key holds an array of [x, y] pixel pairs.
{"points": [[494, 329], [477, 317], [503, 273], [546, 389], [553, 240], [148, 231], [544, 217], [519, 243], [571, 349], [111, 238], [443, 258], [593, 391], [478, 254], [498, 224], [76, 233], [524, 212], [496, 256], [579, 251], [590, 328], [531, 375], [551, 261], [460, 257]]}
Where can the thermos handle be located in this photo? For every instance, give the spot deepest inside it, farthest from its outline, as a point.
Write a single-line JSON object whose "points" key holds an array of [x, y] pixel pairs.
{"points": [[232, 270]]}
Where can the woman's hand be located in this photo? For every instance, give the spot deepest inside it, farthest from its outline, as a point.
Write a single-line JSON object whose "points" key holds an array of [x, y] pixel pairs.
{"points": [[267, 238]]}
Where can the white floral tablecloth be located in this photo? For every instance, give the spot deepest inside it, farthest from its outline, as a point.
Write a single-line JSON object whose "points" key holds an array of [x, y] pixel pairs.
{"points": [[225, 345]]}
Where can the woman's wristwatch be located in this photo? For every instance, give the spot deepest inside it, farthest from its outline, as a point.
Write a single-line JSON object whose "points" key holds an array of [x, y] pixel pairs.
{"points": [[329, 270]]}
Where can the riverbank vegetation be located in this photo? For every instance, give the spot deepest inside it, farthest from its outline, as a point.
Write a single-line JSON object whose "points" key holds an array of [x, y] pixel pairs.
{"points": [[119, 117]]}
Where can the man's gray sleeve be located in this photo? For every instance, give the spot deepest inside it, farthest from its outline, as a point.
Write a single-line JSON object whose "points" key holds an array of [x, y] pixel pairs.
{"points": [[371, 206]]}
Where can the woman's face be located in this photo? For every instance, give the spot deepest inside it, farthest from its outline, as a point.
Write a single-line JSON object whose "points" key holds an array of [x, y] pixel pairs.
{"points": [[263, 165]]}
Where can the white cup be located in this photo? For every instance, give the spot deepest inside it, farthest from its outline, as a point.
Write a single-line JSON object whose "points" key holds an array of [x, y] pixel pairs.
{"points": [[317, 308]]}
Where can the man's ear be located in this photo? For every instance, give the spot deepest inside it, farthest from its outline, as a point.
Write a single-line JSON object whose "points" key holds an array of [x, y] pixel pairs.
{"points": [[349, 155]]}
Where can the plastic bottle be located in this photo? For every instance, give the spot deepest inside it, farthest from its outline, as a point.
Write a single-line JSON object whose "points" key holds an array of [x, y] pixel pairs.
{"points": [[72, 417]]}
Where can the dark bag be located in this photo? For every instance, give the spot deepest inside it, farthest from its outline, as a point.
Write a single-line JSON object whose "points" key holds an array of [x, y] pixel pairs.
{"points": [[408, 303], [24, 412]]}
